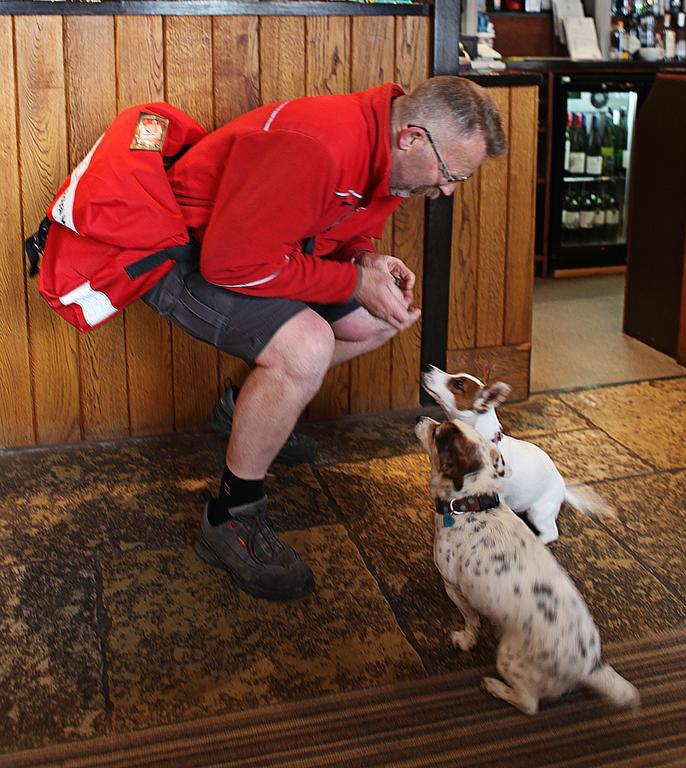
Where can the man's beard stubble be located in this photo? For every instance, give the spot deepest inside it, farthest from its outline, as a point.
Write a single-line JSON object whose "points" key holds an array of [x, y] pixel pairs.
{"points": [[431, 192]]}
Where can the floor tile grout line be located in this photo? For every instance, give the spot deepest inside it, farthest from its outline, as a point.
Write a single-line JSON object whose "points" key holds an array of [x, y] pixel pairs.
{"points": [[407, 632], [102, 627]]}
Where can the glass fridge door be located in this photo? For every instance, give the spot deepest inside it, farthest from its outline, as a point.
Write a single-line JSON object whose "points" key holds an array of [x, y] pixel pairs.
{"points": [[594, 120], [596, 167]]}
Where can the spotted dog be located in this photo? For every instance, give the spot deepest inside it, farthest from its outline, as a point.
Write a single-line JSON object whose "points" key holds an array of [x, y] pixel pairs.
{"points": [[493, 565], [535, 487]]}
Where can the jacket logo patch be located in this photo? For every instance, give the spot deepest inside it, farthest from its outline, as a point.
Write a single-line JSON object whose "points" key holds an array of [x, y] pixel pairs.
{"points": [[150, 132]]}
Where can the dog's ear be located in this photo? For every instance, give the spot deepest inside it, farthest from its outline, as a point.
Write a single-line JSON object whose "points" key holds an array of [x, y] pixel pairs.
{"points": [[457, 455], [492, 396], [501, 468]]}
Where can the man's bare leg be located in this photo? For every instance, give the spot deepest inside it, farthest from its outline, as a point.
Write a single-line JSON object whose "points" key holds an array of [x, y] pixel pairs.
{"points": [[359, 333], [287, 375]]}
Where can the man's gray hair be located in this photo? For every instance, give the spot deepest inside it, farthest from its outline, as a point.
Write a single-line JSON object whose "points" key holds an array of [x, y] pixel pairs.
{"points": [[457, 103]]}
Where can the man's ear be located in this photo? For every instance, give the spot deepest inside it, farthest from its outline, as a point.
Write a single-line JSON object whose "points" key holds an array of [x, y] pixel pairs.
{"points": [[407, 136]]}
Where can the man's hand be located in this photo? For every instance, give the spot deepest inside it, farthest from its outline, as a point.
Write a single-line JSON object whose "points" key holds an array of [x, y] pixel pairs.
{"points": [[379, 294], [404, 277]]}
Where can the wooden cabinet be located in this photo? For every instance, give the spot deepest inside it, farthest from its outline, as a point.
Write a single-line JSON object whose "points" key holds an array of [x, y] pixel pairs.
{"points": [[655, 303]]}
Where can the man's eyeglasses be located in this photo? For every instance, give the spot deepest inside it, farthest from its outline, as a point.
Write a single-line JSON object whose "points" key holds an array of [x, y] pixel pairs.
{"points": [[447, 174]]}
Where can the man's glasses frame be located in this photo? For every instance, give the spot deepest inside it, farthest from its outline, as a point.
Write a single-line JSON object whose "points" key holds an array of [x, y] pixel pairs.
{"points": [[445, 171]]}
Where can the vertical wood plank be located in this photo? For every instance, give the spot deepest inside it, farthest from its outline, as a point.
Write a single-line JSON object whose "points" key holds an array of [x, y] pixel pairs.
{"points": [[43, 148], [91, 106], [140, 78], [328, 71], [236, 65], [490, 306], [372, 51], [282, 58], [411, 68], [16, 398], [464, 265], [188, 45], [519, 278]]}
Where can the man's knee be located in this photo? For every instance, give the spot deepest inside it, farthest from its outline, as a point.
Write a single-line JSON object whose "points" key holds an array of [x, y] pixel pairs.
{"points": [[301, 349], [360, 326]]}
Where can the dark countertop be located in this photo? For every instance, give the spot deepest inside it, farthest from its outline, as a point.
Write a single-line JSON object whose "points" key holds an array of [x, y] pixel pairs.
{"points": [[502, 78], [590, 67], [522, 72]]}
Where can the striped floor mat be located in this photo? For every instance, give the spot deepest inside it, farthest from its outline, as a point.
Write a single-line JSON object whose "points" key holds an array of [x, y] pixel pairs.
{"points": [[442, 721]]}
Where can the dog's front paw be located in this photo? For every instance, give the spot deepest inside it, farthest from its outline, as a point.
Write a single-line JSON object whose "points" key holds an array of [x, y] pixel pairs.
{"points": [[463, 640]]}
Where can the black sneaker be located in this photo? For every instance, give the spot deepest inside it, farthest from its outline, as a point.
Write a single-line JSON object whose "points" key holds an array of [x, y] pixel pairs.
{"points": [[248, 549], [298, 449]]}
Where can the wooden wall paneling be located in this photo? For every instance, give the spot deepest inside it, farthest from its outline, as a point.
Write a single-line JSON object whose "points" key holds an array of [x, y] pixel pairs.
{"points": [[490, 306], [91, 105], [465, 264], [506, 363], [236, 64], [412, 50], [188, 46], [282, 58], [140, 78], [372, 59], [328, 71], [43, 152], [16, 396], [521, 230]]}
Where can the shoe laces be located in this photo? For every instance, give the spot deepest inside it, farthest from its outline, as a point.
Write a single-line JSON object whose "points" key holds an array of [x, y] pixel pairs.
{"points": [[261, 542]]}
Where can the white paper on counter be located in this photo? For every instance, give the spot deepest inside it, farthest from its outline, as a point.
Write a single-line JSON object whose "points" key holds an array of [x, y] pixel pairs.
{"points": [[582, 39], [563, 9]]}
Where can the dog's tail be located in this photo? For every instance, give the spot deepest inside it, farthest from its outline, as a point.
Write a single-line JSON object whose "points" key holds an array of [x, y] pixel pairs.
{"points": [[605, 681], [586, 500]]}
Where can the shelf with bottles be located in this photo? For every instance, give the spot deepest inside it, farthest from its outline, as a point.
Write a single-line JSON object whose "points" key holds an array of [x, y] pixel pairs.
{"points": [[596, 146], [648, 29], [592, 215]]}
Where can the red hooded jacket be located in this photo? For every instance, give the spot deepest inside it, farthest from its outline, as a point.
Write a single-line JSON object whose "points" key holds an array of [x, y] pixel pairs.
{"points": [[257, 190]]}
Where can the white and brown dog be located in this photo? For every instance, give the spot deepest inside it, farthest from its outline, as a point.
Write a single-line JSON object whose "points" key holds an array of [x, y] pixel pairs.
{"points": [[493, 565], [535, 487]]}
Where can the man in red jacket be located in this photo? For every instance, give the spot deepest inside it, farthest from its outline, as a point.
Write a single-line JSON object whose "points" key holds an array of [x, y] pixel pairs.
{"points": [[285, 201]]}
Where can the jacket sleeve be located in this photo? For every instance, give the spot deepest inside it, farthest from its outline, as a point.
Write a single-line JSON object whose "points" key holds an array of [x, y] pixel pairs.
{"points": [[272, 195]]}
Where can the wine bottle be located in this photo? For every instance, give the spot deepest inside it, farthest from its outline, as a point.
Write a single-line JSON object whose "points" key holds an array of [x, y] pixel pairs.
{"points": [[680, 47], [577, 152], [599, 216], [607, 146], [621, 153], [594, 158], [586, 215], [570, 216], [670, 38], [568, 141], [611, 216]]}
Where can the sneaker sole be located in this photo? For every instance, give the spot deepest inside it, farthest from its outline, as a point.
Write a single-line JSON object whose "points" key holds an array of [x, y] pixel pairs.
{"points": [[208, 555]]}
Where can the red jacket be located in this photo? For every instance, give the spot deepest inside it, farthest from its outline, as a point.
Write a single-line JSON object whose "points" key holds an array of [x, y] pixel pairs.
{"points": [[255, 190]]}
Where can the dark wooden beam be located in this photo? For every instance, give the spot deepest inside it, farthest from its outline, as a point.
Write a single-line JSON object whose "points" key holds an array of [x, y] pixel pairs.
{"points": [[439, 213], [211, 8]]}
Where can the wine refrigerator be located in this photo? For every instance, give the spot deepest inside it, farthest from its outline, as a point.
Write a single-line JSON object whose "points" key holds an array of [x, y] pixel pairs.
{"points": [[593, 126]]}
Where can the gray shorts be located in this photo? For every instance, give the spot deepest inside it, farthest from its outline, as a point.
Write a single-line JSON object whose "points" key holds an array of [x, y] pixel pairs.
{"points": [[233, 322]]}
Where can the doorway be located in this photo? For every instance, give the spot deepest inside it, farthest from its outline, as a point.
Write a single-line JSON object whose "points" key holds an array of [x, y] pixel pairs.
{"points": [[577, 338]]}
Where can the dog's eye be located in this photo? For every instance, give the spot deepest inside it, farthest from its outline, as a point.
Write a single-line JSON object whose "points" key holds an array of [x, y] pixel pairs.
{"points": [[458, 384]]}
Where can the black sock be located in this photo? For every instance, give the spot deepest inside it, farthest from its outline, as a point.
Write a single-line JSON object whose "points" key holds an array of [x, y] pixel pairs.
{"points": [[233, 491]]}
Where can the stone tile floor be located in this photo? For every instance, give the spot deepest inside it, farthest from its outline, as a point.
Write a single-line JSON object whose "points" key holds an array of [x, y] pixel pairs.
{"points": [[109, 623]]}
